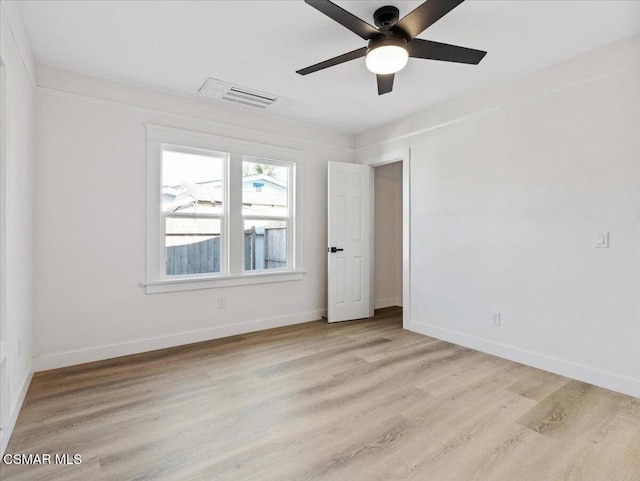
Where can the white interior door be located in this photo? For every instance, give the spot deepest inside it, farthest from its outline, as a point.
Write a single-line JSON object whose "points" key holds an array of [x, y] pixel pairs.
{"points": [[349, 242]]}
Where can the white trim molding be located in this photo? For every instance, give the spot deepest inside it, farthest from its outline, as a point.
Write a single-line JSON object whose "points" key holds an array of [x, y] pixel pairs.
{"points": [[597, 377], [109, 351], [3, 207], [14, 412], [191, 284], [172, 105], [501, 106], [601, 63], [386, 302], [19, 33]]}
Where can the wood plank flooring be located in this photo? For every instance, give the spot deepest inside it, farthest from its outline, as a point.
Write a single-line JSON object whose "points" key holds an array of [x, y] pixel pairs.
{"points": [[356, 401]]}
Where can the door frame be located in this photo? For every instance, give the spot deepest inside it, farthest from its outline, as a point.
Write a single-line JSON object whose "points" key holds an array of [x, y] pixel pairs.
{"points": [[403, 156]]}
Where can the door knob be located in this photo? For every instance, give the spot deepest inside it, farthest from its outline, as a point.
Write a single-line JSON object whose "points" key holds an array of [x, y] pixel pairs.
{"points": [[334, 249]]}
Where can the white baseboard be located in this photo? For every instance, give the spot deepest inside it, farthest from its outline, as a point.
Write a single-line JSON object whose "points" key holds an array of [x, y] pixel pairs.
{"points": [[387, 302], [605, 379], [99, 353], [14, 412]]}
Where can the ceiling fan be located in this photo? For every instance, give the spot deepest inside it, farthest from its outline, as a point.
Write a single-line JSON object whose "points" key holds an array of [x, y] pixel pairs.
{"points": [[394, 41]]}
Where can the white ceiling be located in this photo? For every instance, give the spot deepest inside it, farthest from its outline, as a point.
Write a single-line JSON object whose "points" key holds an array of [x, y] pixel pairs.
{"points": [[176, 45]]}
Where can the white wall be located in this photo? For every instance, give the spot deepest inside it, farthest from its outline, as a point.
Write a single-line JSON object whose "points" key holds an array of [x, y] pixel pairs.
{"points": [[388, 235], [17, 346], [509, 186], [90, 224]]}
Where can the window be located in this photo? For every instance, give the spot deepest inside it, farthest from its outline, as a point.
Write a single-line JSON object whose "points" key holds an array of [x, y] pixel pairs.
{"points": [[265, 212], [220, 211], [193, 210]]}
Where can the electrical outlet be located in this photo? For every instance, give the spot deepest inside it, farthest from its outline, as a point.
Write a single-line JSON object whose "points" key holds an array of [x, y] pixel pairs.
{"points": [[496, 319], [220, 302]]}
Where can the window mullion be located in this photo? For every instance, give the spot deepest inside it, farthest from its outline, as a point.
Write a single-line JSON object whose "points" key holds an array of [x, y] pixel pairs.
{"points": [[267, 217], [191, 216], [291, 223], [234, 214]]}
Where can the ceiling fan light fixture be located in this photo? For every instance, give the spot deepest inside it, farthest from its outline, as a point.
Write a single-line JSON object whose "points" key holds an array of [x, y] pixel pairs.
{"points": [[386, 58], [394, 40]]}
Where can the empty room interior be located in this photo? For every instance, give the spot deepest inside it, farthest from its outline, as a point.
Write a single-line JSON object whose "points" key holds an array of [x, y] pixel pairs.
{"points": [[347, 240]]}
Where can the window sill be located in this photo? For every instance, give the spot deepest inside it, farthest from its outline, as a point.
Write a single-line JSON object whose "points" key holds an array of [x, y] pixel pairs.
{"points": [[191, 284]]}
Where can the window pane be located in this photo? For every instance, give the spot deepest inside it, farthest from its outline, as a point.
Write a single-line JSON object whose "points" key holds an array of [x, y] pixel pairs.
{"points": [[265, 244], [192, 246], [192, 183], [265, 189]]}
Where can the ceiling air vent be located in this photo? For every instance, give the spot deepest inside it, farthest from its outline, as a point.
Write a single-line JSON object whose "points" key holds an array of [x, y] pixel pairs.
{"points": [[243, 97], [248, 98]]}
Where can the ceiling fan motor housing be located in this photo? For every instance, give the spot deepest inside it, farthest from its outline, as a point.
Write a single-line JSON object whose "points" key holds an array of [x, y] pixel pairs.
{"points": [[386, 17], [394, 40]]}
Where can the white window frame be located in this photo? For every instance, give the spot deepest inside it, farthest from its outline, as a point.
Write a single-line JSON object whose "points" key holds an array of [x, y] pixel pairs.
{"points": [[289, 218], [232, 271], [224, 217]]}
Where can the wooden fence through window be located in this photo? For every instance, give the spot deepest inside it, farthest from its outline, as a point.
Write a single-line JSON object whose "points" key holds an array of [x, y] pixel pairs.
{"points": [[264, 248]]}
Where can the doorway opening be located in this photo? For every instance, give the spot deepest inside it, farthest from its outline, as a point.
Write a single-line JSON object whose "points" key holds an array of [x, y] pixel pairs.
{"points": [[388, 235]]}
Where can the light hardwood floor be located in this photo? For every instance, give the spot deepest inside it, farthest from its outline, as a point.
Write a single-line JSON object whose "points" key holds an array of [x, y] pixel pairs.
{"points": [[354, 401]]}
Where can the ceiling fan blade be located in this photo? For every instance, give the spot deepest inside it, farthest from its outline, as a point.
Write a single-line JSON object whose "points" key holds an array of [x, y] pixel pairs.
{"points": [[345, 57], [385, 83], [419, 48], [344, 18], [425, 15]]}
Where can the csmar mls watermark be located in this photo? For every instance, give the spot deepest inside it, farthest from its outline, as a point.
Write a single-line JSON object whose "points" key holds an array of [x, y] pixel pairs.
{"points": [[44, 458]]}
